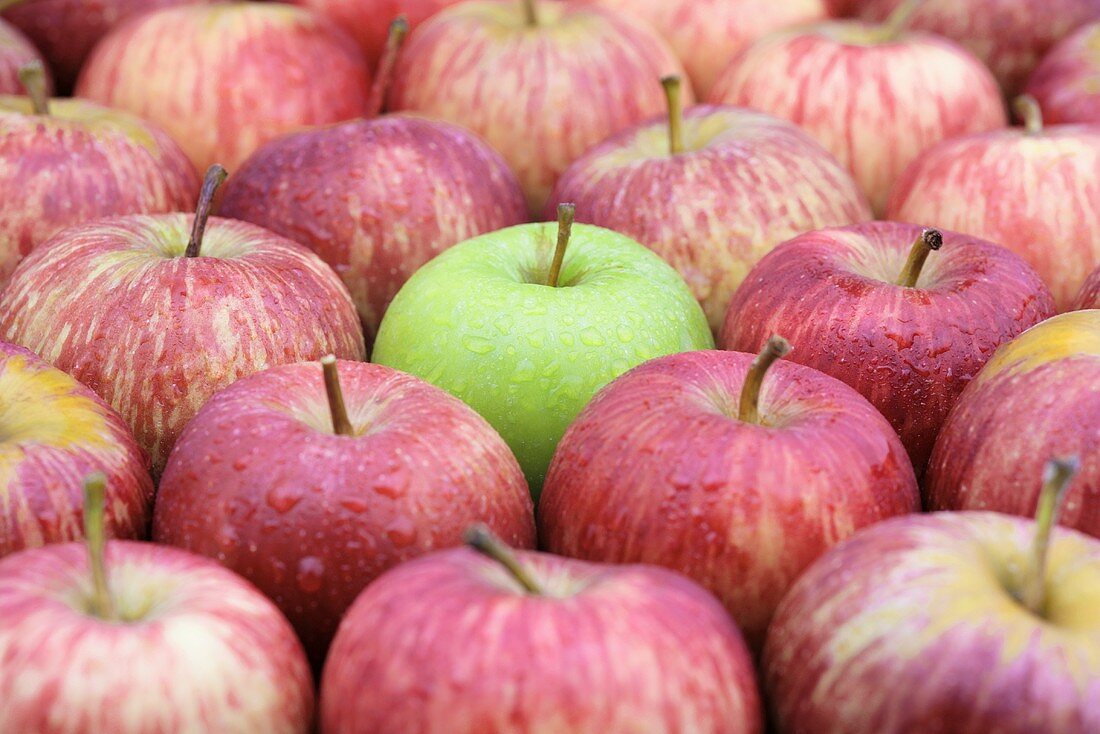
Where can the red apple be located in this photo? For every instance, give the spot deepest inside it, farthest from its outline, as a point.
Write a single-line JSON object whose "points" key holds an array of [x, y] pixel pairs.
{"points": [[66, 30], [66, 161], [1089, 297], [706, 34], [542, 82], [1033, 189], [861, 308], [130, 638], [961, 622], [526, 642], [223, 79], [16, 50], [686, 462], [1036, 398], [1066, 83], [711, 193], [874, 95], [156, 320], [312, 498], [1009, 36], [53, 432]]}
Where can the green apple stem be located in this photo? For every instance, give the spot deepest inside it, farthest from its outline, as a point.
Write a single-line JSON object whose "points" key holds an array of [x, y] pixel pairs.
{"points": [[95, 490], [1028, 110], [673, 85], [215, 177], [530, 12], [1056, 478], [774, 349], [32, 75], [341, 426], [897, 21], [481, 539], [926, 242], [399, 28], [566, 213]]}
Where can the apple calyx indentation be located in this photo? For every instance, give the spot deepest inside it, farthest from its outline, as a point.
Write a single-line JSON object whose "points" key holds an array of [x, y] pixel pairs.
{"points": [[215, 177], [101, 604], [32, 75], [673, 86], [341, 426], [399, 28], [530, 13], [1057, 475], [928, 241], [1030, 113], [748, 409], [481, 538], [566, 215]]}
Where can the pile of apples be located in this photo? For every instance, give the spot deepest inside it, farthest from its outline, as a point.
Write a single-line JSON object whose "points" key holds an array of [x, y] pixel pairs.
{"points": [[548, 503]]}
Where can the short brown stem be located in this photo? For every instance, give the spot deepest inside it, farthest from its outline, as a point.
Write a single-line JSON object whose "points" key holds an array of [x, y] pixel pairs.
{"points": [[566, 213], [32, 75], [5, 4], [399, 28], [530, 12], [481, 539], [215, 177], [1056, 479], [1030, 113], [926, 242], [673, 85], [341, 426], [101, 603], [897, 21], [774, 349]]}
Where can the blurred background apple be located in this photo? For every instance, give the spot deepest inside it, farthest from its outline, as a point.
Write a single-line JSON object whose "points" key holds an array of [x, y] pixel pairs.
{"points": [[16, 50]]}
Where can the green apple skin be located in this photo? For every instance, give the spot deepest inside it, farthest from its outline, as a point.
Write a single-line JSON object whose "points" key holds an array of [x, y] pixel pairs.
{"points": [[480, 322]]}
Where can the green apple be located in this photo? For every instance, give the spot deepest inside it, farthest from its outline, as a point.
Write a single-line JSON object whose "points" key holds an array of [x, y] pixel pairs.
{"points": [[481, 322]]}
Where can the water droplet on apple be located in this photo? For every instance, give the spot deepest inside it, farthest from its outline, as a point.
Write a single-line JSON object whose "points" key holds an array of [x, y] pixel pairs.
{"points": [[354, 504], [401, 532], [477, 344], [592, 337], [625, 334], [283, 500], [311, 572]]}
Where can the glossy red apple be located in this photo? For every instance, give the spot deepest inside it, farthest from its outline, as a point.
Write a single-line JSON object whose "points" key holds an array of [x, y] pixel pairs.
{"points": [[66, 161], [1033, 189], [1089, 297], [1066, 83], [156, 313], [861, 305], [54, 432], [541, 81], [131, 638], [523, 643], [225, 78], [961, 622], [875, 96], [16, 50], [1036, 398], [697, 463], [311, 498], [711, 192]]}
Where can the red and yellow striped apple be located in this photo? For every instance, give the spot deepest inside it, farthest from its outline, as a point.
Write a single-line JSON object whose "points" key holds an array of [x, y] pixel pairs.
{"points": [[1066, 84], [156, 313], [524, 643], [1037, 397], [696, 463], [542, 82], [229, 76], [54, 432], [16, 50], [875, 96], [1033, 189], [710, 192], [311, 486], [862, 306]]}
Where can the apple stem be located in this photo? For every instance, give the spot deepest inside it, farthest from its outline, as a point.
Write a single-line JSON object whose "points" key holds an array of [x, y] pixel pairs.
{"points": [[926, 242], [672, 85], [95, 490], [774, 349], [1056, 478], [530, 13], [896, 22], [566, 213], [481, 538], [32, 75], [1028, 110], [341, 426], [215, 177], [399, 28], [5, 4]]}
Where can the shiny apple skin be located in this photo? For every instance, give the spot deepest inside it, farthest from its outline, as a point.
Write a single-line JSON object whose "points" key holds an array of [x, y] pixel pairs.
{"points": [[1066, 82], [910, 351], [541, 97], [909, 627], [225, 78], [450, 644], [658, 469], [259, 482], [15, 51], [201, 650], [874, 105], [713, 211], [1036, 194], [409, 188], [116, 305], [1037, 398]]}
